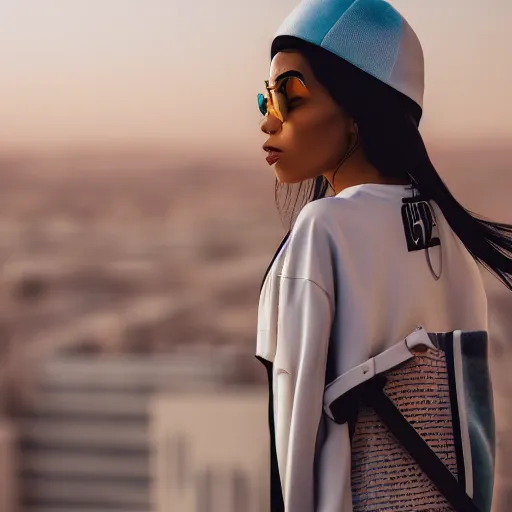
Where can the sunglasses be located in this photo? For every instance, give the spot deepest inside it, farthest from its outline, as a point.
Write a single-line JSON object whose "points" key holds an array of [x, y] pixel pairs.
{"points": [[278, 96]]}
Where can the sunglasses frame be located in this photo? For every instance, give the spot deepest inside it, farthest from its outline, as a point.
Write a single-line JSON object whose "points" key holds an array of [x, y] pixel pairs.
{"points": [[269, 105]]}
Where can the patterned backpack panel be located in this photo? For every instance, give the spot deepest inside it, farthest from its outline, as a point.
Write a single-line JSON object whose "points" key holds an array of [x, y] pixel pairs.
{"points": [[438, 384], [385, 477]]}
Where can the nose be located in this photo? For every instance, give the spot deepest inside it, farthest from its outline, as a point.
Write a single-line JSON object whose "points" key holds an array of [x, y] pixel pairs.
{"points": [[270, 124]]}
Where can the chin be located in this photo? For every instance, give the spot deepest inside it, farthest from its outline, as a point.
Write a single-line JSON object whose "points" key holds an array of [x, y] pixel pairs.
{"points": [[284, 176]]}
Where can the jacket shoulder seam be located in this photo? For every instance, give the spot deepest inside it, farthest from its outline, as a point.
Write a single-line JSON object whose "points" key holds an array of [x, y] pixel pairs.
{"points": [[309, 280]]}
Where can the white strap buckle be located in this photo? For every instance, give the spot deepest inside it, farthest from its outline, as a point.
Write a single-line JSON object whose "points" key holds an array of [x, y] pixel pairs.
{"points": [[397, 354]]}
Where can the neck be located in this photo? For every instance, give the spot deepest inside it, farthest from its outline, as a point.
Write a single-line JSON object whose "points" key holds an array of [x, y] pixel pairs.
{"points": [[356, 170]]}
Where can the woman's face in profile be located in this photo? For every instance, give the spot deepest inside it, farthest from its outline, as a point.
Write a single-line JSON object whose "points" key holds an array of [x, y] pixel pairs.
{"points": [[315, 133]]}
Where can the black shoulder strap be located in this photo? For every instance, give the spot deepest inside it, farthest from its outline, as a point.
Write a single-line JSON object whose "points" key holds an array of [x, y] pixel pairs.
{"points": [[276, 493], [372, 394]]}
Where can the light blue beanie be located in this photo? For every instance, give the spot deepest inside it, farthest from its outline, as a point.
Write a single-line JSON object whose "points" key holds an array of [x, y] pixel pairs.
{"points": [[370, 34]]}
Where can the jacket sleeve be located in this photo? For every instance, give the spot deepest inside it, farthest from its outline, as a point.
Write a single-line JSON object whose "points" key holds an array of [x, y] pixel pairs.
{"points": [[304, 324]]}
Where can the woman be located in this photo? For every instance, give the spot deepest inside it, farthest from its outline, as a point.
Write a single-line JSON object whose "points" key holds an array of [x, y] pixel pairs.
{"points": [[389, 250]]}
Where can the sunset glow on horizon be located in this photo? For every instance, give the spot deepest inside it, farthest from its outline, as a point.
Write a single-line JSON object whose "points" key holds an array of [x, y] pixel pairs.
{"points": [[165, 73]]}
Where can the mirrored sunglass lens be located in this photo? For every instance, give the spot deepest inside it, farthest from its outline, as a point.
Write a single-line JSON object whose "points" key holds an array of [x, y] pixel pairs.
{"points": [[294, 87], [262, 103]]}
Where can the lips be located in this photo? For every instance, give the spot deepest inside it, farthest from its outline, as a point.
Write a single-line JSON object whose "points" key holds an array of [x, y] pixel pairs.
{"points": [[273, 157], [273, 154]]}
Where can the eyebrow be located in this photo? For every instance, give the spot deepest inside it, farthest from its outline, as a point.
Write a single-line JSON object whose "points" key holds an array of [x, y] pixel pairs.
{"points": [[286, 74]]}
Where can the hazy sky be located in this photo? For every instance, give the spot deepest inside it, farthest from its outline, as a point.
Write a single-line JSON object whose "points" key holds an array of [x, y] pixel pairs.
{"points": [[185, 74]]}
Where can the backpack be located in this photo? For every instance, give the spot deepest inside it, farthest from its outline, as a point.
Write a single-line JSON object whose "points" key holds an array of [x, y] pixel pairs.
{"points": [[421, 422]]}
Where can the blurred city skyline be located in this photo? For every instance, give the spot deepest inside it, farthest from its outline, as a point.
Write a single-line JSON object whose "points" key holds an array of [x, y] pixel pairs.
{"points": [[183, 76]]}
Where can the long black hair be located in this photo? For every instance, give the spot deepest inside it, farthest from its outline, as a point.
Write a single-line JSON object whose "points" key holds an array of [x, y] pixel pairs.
{"points": [[388, 124]]}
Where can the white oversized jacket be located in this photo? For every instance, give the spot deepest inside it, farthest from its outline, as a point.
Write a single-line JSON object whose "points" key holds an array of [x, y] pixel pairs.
{"points": [[344, 283]]}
